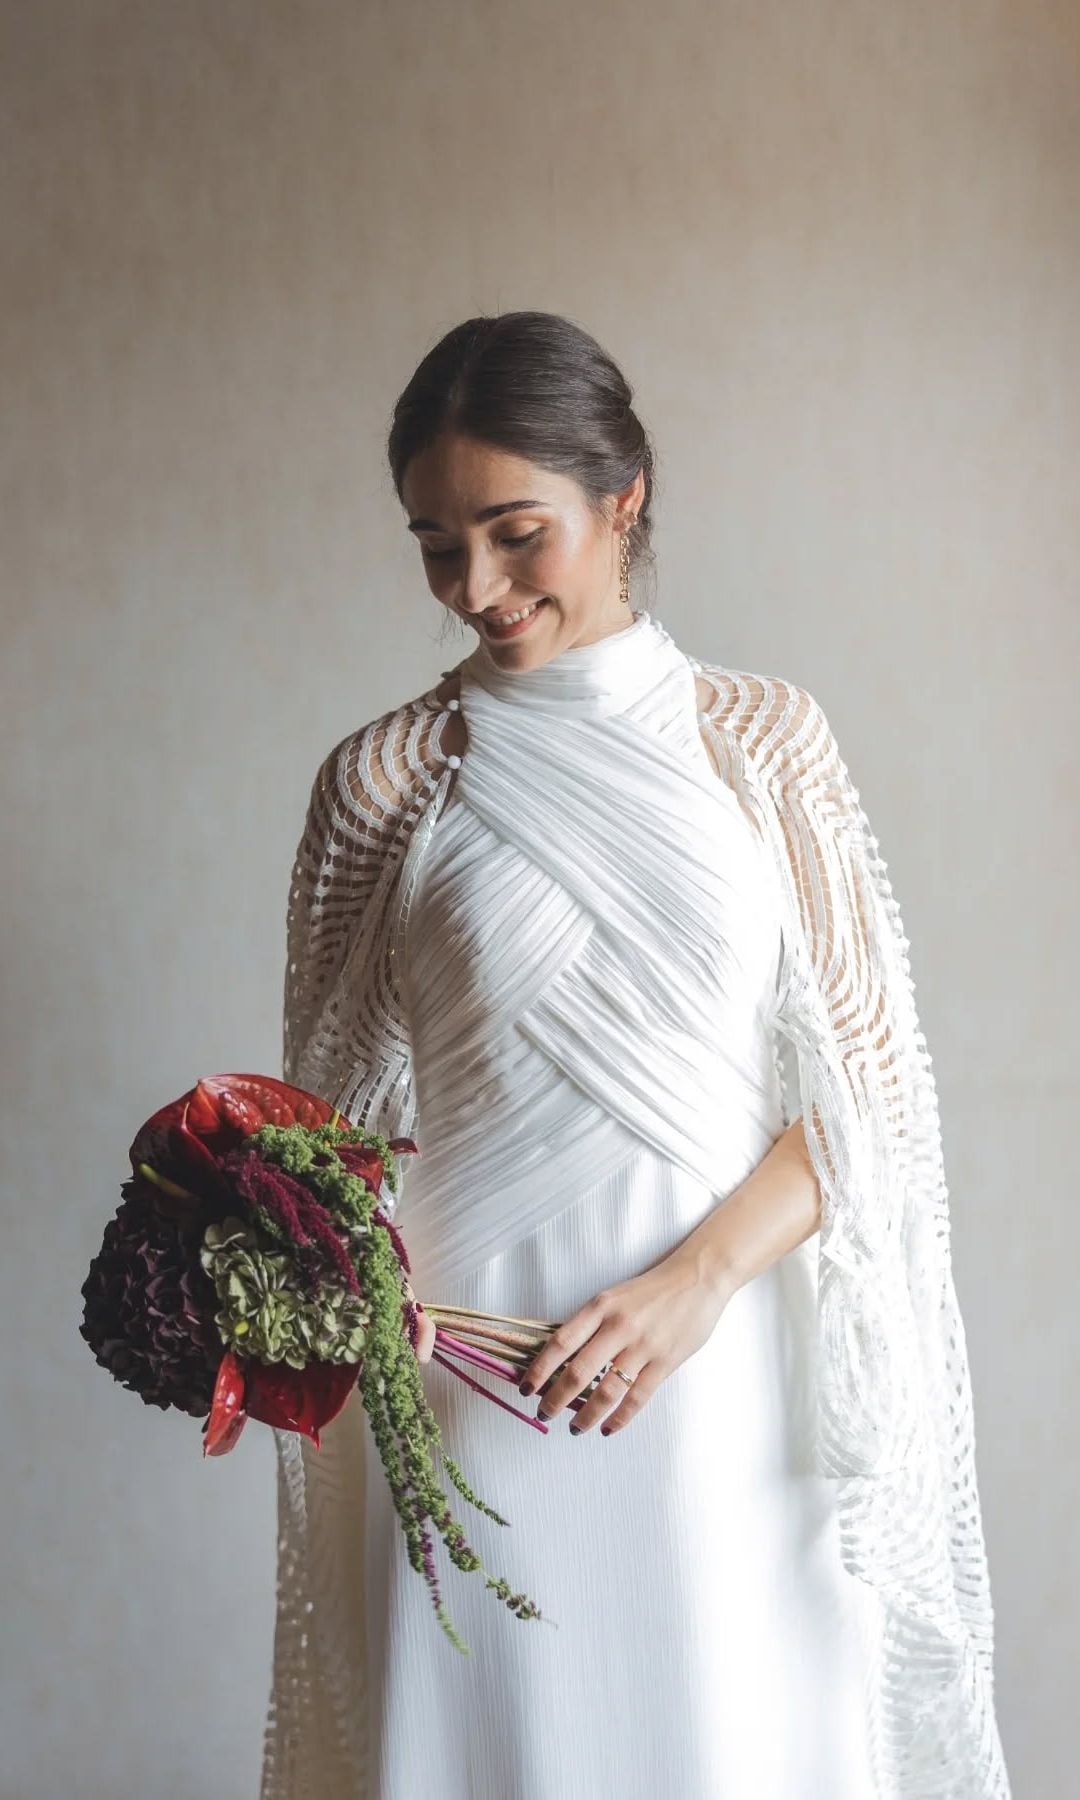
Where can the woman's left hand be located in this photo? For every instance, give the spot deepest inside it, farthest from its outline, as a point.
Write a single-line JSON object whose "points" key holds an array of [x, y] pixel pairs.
{"points": [[647, 1326]]}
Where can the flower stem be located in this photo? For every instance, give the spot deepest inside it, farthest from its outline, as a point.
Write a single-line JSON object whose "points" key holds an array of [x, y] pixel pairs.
{"points": [[492, 1364], [547, 1326], [515, 1344], [537, 1424]]}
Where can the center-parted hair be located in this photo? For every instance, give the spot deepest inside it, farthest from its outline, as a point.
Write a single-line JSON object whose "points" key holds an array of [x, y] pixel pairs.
{"points": [[538, 386]]}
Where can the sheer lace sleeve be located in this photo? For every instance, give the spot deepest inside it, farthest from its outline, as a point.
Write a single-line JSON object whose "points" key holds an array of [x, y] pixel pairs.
{"points": [[895, 1412], [318, 914], [341, 1023]]}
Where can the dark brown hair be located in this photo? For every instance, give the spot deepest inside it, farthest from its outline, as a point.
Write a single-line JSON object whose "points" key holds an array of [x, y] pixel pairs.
{"points": [[541, 387]]}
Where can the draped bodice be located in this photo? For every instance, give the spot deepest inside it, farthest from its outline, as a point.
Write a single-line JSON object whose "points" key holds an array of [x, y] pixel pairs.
{"points": [[592, 950]]}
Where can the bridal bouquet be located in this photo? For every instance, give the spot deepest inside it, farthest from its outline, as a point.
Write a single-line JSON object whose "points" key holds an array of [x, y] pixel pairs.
{"points": [[250, 1271]]}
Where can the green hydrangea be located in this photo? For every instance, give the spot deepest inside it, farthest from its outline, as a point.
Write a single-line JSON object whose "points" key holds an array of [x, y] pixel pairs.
{"points": [[264, 1314]]}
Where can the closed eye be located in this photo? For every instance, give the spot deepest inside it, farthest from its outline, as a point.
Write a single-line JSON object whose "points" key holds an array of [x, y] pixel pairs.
{"points": [[515, 543]]}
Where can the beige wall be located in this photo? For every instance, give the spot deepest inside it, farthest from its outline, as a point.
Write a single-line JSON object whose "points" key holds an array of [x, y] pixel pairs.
{"points": [[836, 248]]}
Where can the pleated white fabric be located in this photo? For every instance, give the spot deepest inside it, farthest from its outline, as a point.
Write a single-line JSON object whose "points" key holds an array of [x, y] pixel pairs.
{"points": [[591, 977]]}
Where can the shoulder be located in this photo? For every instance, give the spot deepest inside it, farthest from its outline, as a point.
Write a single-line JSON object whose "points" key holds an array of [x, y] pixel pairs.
{"points": [[374, 775], [779, 728]]}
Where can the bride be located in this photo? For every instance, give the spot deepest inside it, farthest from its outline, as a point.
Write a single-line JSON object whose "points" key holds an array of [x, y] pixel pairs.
{"points": [[583, 919]]}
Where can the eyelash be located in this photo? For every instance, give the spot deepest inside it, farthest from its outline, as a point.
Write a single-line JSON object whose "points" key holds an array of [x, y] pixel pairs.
{"points": [[516, 542]]}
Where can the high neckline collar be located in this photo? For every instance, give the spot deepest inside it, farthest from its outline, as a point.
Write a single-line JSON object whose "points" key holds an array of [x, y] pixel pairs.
{"points": [[602, 677]]}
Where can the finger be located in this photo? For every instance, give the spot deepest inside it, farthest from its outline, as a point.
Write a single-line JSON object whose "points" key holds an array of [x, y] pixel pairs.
{"points": [[609, 1392], [564, 1340], [634, 1399], [581, 1370]]}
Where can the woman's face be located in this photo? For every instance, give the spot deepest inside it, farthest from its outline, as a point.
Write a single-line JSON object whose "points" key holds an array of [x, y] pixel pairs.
{"points": [[499, 535]]}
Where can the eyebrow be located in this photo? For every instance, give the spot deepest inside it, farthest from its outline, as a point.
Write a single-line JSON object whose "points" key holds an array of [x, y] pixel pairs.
{"points": [[480, 518]]}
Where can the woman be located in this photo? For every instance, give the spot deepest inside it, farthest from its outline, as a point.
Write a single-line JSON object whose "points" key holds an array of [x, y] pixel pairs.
{"points": [[650, 882]]}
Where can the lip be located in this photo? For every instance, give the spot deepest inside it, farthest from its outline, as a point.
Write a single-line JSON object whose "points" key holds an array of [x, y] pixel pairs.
{"points": [[510, 631]]}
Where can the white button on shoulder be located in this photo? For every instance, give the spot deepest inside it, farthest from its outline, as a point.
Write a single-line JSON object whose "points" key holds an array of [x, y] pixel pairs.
{"points": [[453, 762], [453, 705]]}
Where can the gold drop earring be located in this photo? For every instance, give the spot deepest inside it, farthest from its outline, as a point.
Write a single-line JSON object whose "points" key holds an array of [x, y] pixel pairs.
{"points": [[624, 565]]}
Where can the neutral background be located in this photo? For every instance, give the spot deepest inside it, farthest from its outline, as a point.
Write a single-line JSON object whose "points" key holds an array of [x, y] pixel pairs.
{"points": [[836, 247]]}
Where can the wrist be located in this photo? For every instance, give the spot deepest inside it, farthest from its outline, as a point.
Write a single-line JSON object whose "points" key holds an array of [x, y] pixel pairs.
{"points": [[711, 1263]]}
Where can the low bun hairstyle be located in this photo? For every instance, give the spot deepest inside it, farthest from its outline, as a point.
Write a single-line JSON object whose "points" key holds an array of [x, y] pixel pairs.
{"points": [[536, 385]]}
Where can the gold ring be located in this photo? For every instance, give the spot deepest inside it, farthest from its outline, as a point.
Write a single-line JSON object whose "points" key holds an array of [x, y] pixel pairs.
{"points": [[621, 1373]]}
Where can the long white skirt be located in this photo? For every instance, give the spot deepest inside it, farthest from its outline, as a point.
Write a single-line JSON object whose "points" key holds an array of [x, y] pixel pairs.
{"points": [[704, 1637]]}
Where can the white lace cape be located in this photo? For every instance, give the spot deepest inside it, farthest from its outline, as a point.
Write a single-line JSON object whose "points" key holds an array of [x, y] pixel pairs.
{"points": [[895, 1417]]}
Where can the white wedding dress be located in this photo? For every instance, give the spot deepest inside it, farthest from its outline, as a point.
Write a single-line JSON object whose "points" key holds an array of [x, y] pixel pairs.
{"points": [[592, 953]]}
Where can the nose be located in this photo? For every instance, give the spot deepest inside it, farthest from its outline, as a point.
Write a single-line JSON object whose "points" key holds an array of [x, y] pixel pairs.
{"points": [[482, 585]]}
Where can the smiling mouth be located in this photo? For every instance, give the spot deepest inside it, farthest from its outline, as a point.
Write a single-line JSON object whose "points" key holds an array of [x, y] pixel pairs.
{"points": [[504, 623]]}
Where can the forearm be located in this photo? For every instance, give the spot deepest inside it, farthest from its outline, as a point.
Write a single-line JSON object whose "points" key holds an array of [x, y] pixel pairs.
{"points": [[777, 1207]]}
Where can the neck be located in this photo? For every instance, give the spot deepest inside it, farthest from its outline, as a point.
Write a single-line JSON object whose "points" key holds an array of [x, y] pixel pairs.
{"points": [[605, 676]]}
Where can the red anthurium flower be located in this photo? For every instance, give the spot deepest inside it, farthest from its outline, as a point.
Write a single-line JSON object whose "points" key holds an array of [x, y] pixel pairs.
{"points": [[227, 1415], [361, 1160], [182, 1142], [298, 1399]]}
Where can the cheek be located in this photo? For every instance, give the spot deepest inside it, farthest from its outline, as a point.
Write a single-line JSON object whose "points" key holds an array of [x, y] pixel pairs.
{"points": [[440, 578], [562, 563]]}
